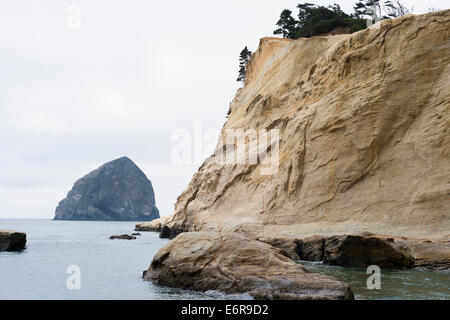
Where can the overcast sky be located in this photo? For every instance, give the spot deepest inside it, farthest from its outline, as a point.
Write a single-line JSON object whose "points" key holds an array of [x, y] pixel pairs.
{"points": [[74, 98]]}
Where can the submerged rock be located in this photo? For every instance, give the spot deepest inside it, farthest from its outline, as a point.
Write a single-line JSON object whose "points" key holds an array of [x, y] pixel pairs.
{"points": [[117, 191], [12, 240], [232, 263], [123, 237]]}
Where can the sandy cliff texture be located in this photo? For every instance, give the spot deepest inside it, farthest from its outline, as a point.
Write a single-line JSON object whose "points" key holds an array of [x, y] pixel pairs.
{"points": [[365, 146]]}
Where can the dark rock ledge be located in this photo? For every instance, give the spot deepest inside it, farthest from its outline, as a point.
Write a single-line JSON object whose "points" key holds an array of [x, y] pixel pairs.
{"points": [[168, 233], [366, 249]]}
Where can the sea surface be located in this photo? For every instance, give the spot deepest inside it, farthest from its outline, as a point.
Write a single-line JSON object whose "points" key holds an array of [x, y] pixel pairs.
{"points": [[112, 269]]}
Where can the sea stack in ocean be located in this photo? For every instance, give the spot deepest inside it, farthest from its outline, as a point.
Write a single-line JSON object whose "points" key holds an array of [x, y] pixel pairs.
{"points": [[117, 191]]}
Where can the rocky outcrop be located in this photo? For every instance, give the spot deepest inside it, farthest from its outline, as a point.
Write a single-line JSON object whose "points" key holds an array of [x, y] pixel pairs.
{"points": [[433, 255], [154, 225], [117, 191], [123, 237], [287, 247], [349, 250], [12, 240], [232, 263], [364, 138]]}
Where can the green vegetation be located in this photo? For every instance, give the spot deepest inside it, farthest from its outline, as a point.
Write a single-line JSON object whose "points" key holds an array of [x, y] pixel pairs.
{"points": [[243, 60], [315, 19]]}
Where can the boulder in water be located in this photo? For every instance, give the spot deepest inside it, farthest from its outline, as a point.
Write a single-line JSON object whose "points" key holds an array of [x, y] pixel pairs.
{"points": [[123, 237], [12, 240]]}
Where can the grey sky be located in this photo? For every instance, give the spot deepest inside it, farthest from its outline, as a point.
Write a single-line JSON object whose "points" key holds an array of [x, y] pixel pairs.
{"points": [[135, 71]]}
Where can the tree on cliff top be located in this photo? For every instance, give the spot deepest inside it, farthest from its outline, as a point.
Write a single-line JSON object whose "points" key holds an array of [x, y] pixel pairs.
{"points": [[287, 25], [396, 9], [386, 10], [314, 19], [243, 60]]}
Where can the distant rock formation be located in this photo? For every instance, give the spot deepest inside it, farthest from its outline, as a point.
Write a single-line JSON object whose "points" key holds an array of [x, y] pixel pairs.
{"points": [[12, 240], [117, 191]]}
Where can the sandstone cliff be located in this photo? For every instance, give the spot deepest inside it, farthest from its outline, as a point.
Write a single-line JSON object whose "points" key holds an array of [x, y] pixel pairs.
{"points": [[364, 138]]}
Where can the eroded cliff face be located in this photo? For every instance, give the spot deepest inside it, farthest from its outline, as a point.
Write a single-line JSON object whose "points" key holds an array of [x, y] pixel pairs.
{"points": [[364, 137]]}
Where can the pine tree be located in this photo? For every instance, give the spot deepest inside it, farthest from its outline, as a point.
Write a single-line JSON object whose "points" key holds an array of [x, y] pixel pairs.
{"points": [[395, 9], [386, 10], [287, 25], [366, 8], [243, 60]]}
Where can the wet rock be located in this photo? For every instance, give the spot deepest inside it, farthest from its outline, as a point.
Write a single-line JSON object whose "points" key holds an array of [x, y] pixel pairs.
{"points": [[232, 263], [168, 233], [359, 251], [12, 240], [165, 233], [311, 248], [123, 237]]}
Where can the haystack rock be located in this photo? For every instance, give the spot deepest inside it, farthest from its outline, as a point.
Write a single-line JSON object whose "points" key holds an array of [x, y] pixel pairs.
{"points": [[363, 121], [117, 191]]}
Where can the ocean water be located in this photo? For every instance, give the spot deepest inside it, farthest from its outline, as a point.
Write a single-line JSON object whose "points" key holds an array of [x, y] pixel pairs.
{"points": [[395, 284], [109, 269], [112, 269]]}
